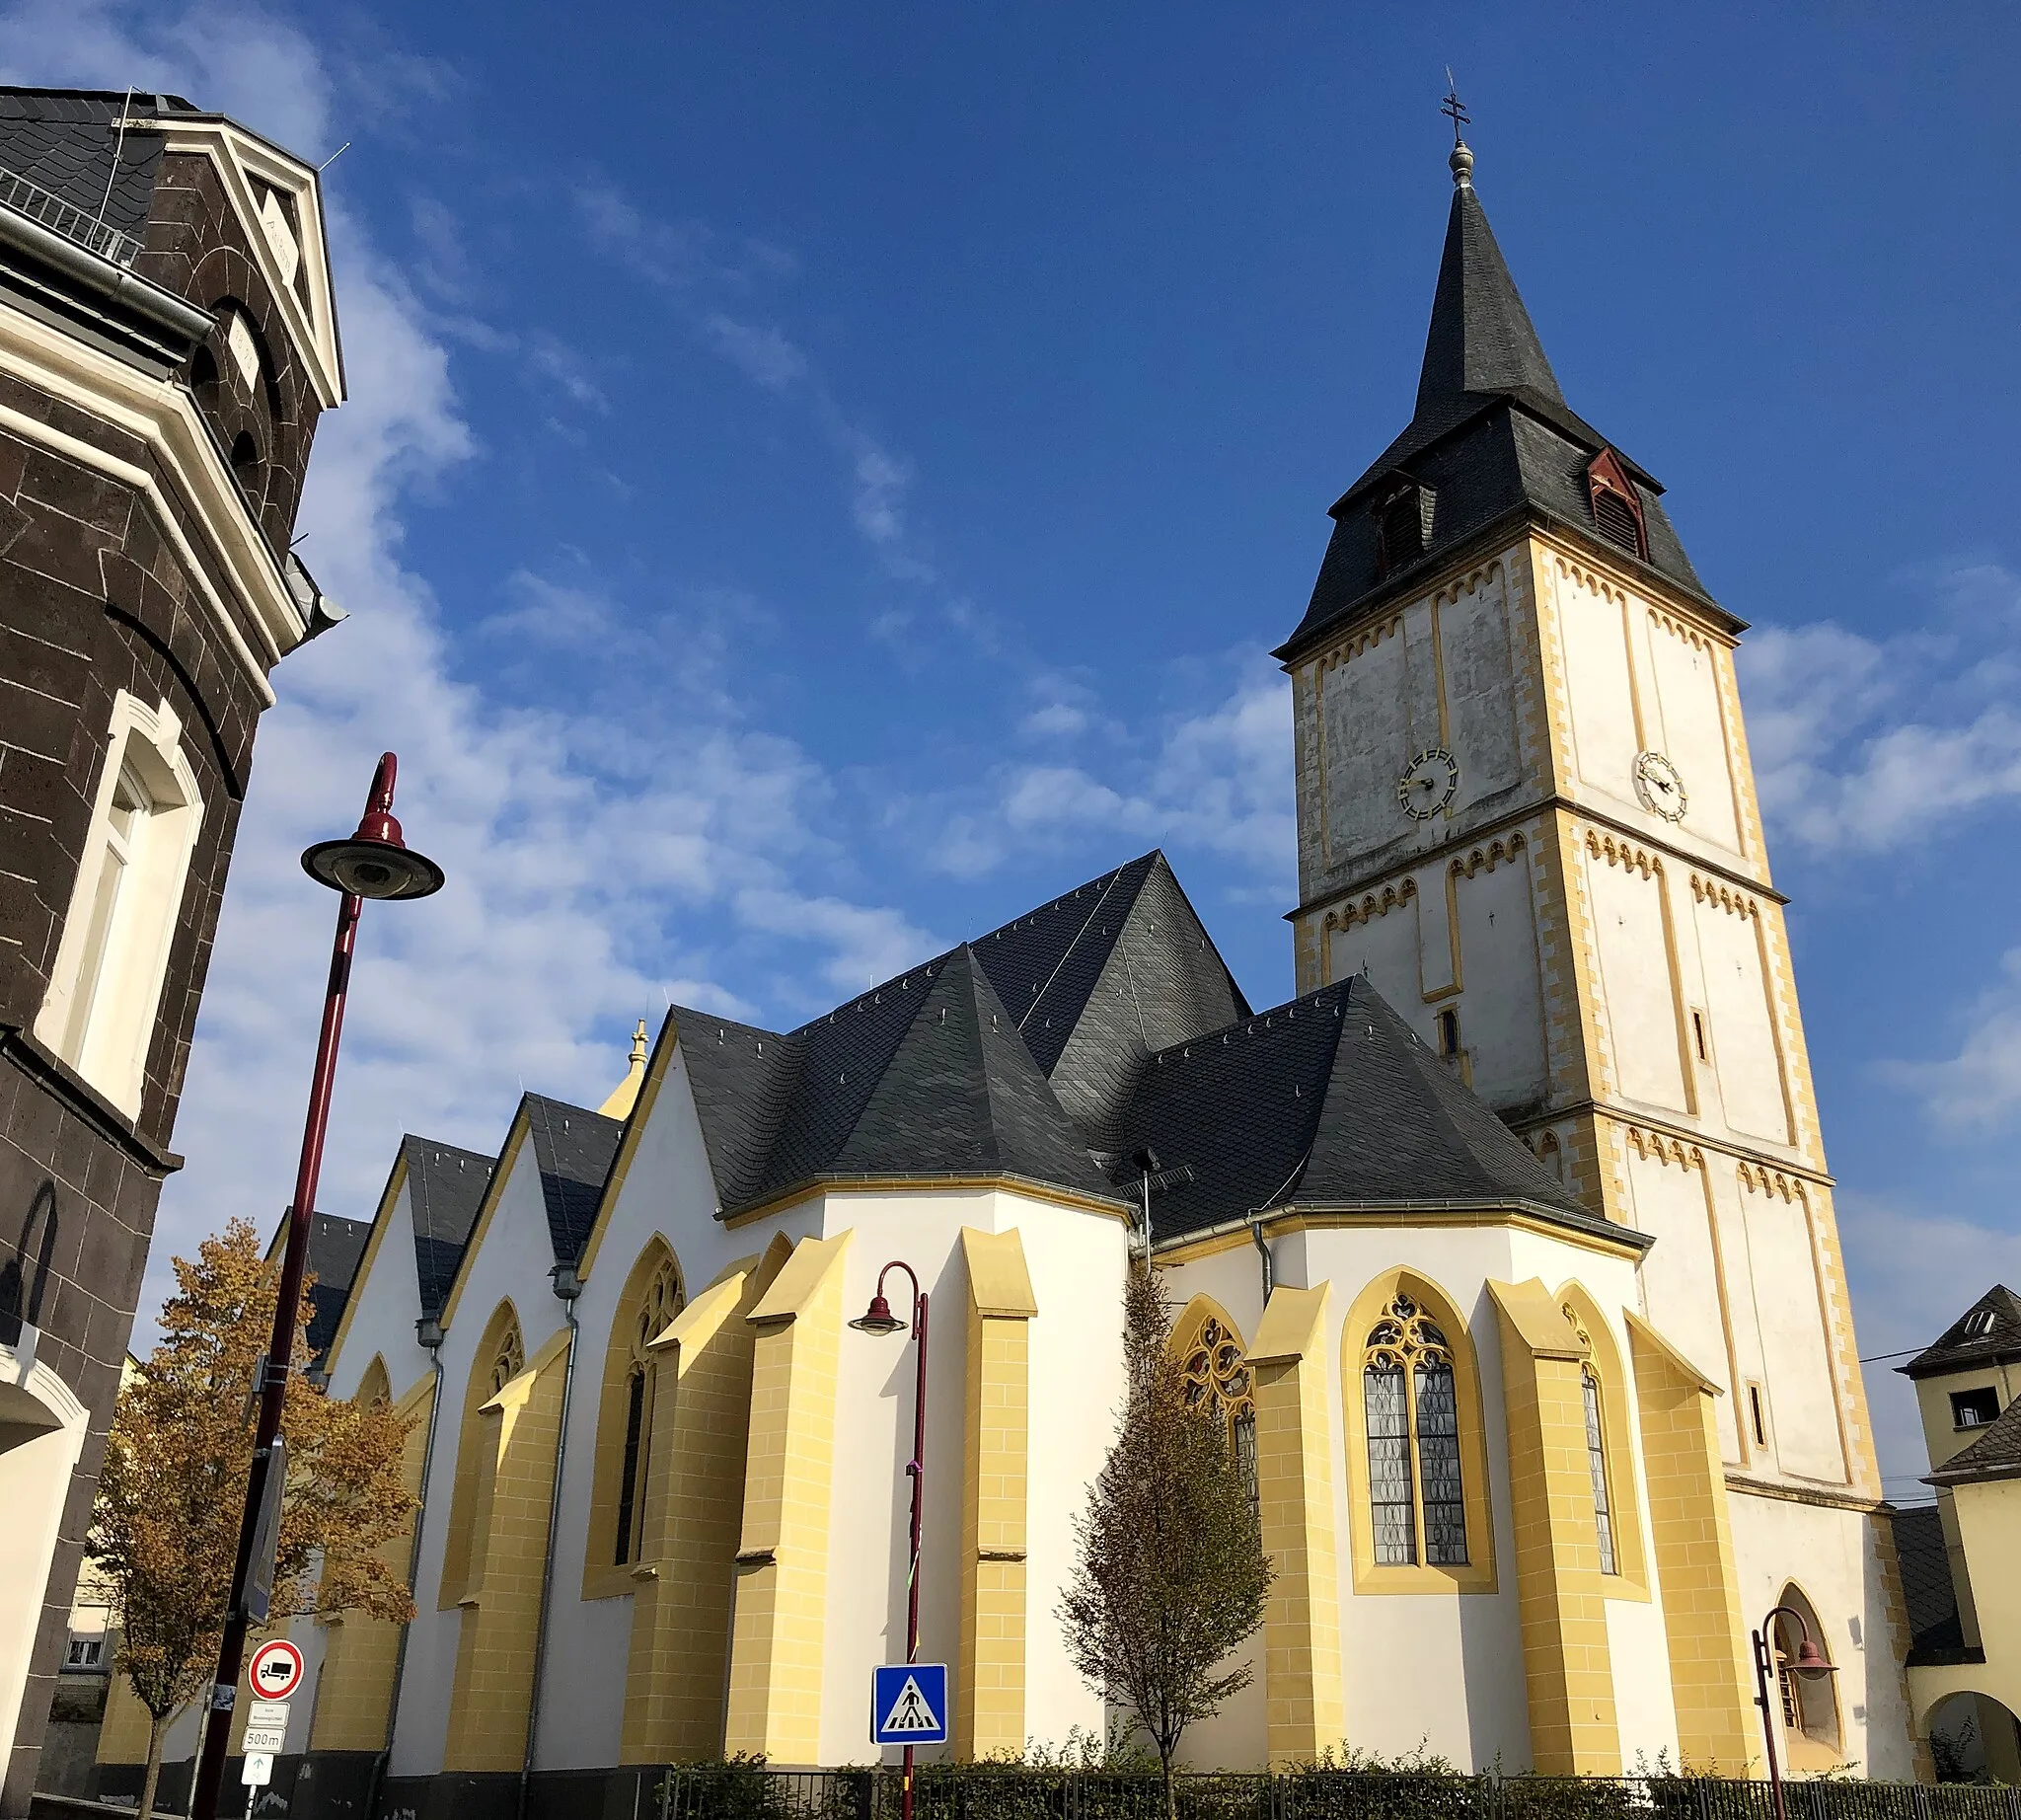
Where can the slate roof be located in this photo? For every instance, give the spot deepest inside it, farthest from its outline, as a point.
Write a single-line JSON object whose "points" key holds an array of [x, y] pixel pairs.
{"points": [[65, 141], [573, 1149], [1491, 436], [1959, 1348], [445, 1186], [1934, 1629], [336, 1244], [1133, 1034], [1996, 1453]]}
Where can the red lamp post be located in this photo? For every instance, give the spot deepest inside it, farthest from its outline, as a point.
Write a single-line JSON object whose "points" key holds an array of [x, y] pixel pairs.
{"points": [[373, 863], [1810, 1663], [878, 1318]]}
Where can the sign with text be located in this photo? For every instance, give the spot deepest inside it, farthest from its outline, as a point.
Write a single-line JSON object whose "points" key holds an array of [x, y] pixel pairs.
{"points": [[909, 1703]]}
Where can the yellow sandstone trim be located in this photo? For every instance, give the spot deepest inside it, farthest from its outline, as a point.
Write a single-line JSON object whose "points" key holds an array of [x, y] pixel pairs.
{"points": [[501, 1598], [1710, 1676], [988, 1699], [781, 1561], [694, 1495], [1567, 1664], [1302, 1682], [355, 1691]]}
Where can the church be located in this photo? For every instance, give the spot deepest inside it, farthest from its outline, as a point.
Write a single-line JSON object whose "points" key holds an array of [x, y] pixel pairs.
{"points": [[1506, 1249]]}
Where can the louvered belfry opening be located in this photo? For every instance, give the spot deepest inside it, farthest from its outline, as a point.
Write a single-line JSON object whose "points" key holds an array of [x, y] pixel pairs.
{"points": [[1617, 510], [1403, 525]]}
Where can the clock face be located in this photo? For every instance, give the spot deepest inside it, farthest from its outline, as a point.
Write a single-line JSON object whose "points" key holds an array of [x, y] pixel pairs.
{"points": [[1427, 784], [1659, 786]]}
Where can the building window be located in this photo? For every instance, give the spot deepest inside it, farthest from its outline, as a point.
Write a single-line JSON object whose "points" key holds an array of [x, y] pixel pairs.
{"points": [[1699, 1035], [1617, 505], [1403, 526], [1596, 1462], [106, 987], [500, 1358], [1417, 1505], [1757, 1416], [1449, 1032], [1975, 1408], [1218, 1378], [1810, 1704], [657, 1304], [84, 1652], [1978, 1325]]}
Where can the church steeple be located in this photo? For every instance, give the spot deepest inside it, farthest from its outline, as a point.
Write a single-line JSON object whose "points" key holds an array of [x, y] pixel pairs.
{"points": [[1481, 338], [1492, 442]]}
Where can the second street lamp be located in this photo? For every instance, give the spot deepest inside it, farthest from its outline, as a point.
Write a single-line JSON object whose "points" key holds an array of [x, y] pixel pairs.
{"points": [[1810, 1664], [878, 1318], [375, 862]]}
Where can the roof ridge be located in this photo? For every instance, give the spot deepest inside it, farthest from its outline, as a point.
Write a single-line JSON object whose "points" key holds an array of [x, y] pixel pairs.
{"points": [[1109, 885]]}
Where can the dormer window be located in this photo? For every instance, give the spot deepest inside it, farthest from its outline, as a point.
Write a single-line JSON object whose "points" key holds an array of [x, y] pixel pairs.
{"points": [[1979, 1324], [1403, 525], [1617, 505]]}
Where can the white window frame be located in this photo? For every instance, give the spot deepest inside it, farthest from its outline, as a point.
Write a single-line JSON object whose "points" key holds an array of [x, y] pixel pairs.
{"points": [[124, 993]]}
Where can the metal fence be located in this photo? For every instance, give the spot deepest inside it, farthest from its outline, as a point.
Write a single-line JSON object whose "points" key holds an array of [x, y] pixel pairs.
{"points": [[45, 205], [988, 1792]]}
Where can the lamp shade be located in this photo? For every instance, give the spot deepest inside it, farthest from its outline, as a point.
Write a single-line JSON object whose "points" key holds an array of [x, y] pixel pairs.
{"points": [[879, 1317], [375, 861]]}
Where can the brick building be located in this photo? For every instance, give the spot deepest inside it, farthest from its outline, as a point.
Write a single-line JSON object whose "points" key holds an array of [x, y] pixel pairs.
{"points": [[166, 345]]}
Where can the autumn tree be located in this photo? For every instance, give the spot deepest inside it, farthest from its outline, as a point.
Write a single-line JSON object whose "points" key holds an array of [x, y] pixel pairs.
{"points": [[1171, 1575], [166, 1530]]}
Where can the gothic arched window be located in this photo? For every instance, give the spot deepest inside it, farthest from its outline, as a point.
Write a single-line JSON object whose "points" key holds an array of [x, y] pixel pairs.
{"points": [[1218, 1378], [1595, 1462], [656, 1305], [1417, 1504], [500, 1357]]}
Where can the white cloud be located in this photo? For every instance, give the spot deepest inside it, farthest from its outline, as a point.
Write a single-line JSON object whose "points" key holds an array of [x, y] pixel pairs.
{"points": [[762, 355], [1861, 745], [1979, 1089], [1912, 1274]]}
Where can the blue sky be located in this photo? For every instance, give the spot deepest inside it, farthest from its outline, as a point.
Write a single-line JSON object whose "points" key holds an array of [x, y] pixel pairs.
{"points": [[818, 480]]}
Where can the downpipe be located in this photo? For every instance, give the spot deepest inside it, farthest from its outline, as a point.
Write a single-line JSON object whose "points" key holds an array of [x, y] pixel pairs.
{"points": [[567, 1286], [429, 1331]]}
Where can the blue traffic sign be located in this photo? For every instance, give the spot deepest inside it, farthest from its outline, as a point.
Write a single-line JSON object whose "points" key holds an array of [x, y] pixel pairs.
{"points": [[909, 1703]]}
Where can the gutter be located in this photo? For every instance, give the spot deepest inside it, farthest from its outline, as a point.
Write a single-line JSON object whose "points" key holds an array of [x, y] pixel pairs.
{"points": [[567, 1285], [162, 309], [1253, 1223], [428, 1330]]}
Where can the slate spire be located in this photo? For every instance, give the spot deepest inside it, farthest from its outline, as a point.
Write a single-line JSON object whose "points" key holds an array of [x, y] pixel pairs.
{"points": [[1481, 338]]}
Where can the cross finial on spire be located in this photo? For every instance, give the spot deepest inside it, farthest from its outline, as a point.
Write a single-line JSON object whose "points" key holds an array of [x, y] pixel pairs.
{"points": [[1454, 110]]}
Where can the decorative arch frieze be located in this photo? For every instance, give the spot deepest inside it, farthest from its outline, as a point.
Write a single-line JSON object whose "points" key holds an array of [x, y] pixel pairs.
{"points": [[1624, 853], [1590, 579], [1470, 582], [1759, 1179], [1494, 852], [1664, 1149], [1680, 629], [1371, 905], [1365, 640], [1714, 891]]}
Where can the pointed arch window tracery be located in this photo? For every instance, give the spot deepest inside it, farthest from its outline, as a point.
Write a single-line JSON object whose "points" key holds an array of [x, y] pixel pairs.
{"points": [[1218, 1378], [1417, 1502], [658, 1303]]}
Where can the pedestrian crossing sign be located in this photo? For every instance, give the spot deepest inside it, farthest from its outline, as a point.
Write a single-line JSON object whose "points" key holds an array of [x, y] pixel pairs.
{"points": [[909, 1703]]}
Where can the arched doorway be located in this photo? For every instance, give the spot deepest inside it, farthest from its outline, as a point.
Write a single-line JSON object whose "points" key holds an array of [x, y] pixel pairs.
{"points": [[1809, 1704], [41, 1433], [1973, 1738]]}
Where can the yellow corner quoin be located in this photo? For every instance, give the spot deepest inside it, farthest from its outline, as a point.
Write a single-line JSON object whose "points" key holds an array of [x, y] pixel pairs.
{"points": [[1711, 1679], [988, 1701], [1567, 1663], [782, 1561], [1302, 1677], [354, 1690], [500, 1602], [694, 1478]]}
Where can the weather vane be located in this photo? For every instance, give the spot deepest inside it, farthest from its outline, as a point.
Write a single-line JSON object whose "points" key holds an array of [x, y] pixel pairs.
{"points": [[1452, 107]]}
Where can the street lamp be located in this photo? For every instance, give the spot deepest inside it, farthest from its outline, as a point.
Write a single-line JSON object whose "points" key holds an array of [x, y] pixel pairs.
{"points": [[878, 1318], [373, 863], [1810, 1663]]}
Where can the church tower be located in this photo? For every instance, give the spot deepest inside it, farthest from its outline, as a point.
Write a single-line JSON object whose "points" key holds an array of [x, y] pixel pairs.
{"points": [[1527, 812]]}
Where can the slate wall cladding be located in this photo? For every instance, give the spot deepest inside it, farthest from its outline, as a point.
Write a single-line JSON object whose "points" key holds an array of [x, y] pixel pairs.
{"points": [[93, 599]]}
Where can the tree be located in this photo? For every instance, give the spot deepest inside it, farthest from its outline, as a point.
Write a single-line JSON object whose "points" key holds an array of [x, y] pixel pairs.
{"points": [[166, 1529], [1171, 1575]]}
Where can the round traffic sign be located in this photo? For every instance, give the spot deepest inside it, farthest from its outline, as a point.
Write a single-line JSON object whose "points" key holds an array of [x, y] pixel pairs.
{"points": [[276, 1670]]}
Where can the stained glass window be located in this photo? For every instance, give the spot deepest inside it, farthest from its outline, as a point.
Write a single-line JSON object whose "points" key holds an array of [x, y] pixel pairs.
{"points": [[1218, 1378], [1417, 1500], [1596, 1460]]}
